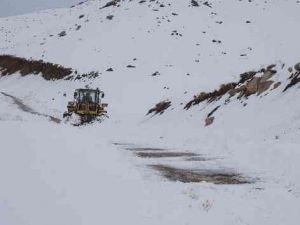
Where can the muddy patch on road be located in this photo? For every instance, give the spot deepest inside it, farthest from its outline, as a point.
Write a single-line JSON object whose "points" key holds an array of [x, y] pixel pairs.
{"points": [[145, 149], [28, 109], [195, 162], [164, 154], [121, 144], [199, 159], [196, 176]]}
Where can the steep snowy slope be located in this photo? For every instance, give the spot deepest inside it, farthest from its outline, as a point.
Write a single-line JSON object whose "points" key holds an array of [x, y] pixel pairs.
{"points": [[157, 50], [17, 7], [189, 61]]}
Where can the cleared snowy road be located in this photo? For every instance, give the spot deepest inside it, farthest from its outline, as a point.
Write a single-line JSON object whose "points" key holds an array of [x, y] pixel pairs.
{"points": [[58, 174]]}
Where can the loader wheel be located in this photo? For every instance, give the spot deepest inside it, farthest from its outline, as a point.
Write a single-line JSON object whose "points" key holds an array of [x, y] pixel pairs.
{"points": [[86, 119]]}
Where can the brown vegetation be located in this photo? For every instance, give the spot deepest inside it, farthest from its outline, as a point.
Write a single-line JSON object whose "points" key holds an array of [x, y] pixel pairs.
{"points": [[160, 107], [110, 3], [247, 85], [12, 64], [211, 96]]}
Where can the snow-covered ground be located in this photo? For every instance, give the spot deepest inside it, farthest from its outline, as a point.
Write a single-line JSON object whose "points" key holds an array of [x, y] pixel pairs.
{"points": [[59, 174]]}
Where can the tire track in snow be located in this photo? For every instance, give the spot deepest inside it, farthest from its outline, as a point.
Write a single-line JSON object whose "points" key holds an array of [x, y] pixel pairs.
{"points": [[28, 109]]}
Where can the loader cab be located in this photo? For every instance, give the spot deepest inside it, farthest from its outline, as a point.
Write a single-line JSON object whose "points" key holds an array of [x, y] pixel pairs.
{"points": [[91, 96]]}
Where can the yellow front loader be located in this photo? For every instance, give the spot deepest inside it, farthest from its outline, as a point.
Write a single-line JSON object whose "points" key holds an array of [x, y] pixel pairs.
{"points": [[87, 104]]}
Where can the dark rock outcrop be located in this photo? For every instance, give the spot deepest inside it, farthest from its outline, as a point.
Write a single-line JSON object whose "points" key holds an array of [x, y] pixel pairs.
{"points": [[12, 64], [160, 107]]}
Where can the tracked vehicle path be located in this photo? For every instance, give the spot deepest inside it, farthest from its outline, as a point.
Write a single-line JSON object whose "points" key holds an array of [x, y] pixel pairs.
{"points": [[28, 109]]}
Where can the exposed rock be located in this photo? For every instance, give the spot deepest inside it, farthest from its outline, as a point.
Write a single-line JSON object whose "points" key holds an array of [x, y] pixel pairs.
{"points": [[213, 111], [270, 67], [110, 17], [160, 107], [260, 84], [206, 3], [252, 86], [110, 3], [209, 121], [295, 78], [240, 89], [216, 41], [246, 76], [62, 34], [194, 3], [156, 73], [267, 75], [276, 85], [297, 67], [248, 84], [78, 27], [90, 75], [211, 96], [264, 86]]}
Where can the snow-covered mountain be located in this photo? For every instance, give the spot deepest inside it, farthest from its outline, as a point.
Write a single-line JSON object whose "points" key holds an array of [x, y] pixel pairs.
{"points": [[147, 52], [17, 7]]}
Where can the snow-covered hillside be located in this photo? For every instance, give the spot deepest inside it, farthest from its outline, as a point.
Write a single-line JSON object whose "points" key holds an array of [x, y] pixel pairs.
{"points": [[17, 7], [54, 173]]}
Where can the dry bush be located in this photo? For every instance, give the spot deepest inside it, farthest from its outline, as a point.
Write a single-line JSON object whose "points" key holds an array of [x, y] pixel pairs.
{"points": [[12, 64], [160, 107]]}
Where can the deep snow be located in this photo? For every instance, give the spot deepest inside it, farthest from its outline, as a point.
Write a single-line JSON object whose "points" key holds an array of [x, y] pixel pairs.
{"points": [[59, 174]]}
